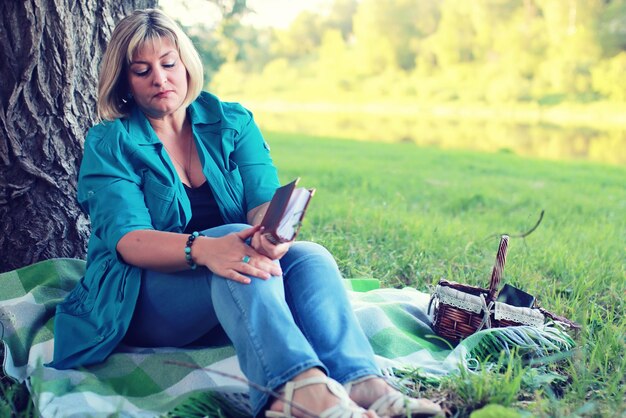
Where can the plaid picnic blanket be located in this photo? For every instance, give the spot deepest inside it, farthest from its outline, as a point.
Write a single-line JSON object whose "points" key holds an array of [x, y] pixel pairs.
{"points": [[136, 382]]}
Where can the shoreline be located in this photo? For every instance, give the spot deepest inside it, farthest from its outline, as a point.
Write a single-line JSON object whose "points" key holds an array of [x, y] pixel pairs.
{"points": [[599, 115]]}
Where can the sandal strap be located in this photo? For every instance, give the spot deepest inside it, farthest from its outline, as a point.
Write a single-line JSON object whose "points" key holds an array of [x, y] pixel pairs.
{"points": [[291, 387], [396, 404], [344, 409]]}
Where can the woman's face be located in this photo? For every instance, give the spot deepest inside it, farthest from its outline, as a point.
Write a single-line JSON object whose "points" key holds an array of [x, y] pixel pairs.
{"points": [[158, 78]]}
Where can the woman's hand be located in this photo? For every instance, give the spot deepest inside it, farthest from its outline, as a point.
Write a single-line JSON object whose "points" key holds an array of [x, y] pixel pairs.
{"points": [[259, 242], [230, 257], [263, 246]]}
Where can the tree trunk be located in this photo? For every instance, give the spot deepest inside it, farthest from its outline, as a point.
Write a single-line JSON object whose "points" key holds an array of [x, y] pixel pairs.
{"points": [[50, 51]]}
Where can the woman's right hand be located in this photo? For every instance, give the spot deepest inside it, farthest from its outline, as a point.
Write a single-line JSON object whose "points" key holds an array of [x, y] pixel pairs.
{"points": [[225, 257]]}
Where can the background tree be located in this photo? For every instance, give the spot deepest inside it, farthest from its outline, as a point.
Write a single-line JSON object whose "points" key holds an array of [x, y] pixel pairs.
{"points": [[388, 31], [340, 16], [301, 38], [531, 53]]}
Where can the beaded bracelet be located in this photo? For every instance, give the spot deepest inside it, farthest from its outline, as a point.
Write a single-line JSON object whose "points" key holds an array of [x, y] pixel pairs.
{"points": [[190, 240]]}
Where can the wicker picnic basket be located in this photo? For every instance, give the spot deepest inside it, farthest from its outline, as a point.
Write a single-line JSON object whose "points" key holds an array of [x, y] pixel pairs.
{"points": [[460, 310]]}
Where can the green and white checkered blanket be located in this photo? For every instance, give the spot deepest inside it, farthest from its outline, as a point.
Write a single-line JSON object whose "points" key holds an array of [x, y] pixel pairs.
{"points": [[152, 382]]}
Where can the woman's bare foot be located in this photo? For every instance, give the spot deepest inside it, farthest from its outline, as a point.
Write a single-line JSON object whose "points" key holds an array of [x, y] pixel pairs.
{"points": [[315, 398], [366, 392]]}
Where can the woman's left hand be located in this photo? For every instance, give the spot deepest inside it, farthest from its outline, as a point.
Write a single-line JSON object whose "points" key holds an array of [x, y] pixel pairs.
{"points": [[262, 245]]}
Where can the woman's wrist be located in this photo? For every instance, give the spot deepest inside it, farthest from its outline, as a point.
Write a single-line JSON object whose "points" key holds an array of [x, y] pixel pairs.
{"points": [[190, 241], [201, 247], [255, 216]]}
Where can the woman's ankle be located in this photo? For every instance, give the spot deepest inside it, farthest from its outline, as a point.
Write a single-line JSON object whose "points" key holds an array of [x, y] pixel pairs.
{"points": [[301, 397], [312, 372]]}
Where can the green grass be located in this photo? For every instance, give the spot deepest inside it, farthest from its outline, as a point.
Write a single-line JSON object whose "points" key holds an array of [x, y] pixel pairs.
{"points": [[14, 398], [410, 216]]}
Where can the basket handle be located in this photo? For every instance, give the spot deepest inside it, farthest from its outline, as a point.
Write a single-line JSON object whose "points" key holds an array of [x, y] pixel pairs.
{"points": [[498, 268]]}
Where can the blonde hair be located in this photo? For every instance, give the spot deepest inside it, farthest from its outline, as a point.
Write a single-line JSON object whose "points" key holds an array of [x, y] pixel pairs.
{"points": [[130, 34]]}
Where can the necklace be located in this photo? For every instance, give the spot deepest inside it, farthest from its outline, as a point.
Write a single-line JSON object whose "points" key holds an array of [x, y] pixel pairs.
{"points": [[186, 168]]}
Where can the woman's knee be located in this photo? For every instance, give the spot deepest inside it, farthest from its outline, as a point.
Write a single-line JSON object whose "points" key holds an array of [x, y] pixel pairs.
{"points": [[304, 251], [310, 248]]}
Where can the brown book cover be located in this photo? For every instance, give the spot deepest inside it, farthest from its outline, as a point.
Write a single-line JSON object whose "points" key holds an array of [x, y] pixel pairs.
{"points": [[285, 212]]}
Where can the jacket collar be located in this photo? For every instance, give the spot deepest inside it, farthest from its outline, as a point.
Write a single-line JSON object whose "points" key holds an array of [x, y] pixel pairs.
{"points": [[139, 128], [208, 114]]}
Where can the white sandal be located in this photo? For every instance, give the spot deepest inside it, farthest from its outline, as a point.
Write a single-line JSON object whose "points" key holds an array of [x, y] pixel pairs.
{"points": [[346, 408], [396, 404]]}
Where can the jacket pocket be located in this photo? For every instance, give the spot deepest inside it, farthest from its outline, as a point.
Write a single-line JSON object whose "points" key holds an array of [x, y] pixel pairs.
{"points": [[81, 299], [235, 183], [159, 199]]}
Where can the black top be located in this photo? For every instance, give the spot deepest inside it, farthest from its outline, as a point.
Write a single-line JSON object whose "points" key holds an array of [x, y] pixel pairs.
{"points": [[204, 210]]}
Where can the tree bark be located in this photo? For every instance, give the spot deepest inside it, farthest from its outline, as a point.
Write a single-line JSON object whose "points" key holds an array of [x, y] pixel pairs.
{"points": [[50, 51]]}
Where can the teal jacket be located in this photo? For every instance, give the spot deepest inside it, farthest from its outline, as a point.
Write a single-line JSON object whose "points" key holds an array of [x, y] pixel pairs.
{"points": [[128, 182]]}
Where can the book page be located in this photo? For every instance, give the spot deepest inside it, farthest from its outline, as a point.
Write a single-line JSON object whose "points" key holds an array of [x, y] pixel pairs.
{"points": [[293, 213]]}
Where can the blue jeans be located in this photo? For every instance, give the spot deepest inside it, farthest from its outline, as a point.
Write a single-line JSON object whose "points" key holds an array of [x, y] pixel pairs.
{"points": [[279, 327]]}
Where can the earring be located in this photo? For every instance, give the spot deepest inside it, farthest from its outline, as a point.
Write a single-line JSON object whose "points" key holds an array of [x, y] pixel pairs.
{"points": [[128, 98]]}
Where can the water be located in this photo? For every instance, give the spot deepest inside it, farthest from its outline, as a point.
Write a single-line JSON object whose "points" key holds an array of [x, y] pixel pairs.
{"points": [[533, 139]]}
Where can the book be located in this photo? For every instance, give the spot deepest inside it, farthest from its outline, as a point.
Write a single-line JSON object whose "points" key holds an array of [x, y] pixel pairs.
{"points": [[513, 296], [283, 218]]}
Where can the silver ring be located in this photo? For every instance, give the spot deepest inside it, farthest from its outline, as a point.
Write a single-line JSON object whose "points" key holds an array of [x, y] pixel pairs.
{"points": [[245, 259]]}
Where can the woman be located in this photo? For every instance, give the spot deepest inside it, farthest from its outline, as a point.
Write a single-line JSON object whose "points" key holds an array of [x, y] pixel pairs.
{"points": [[168, 161]]}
